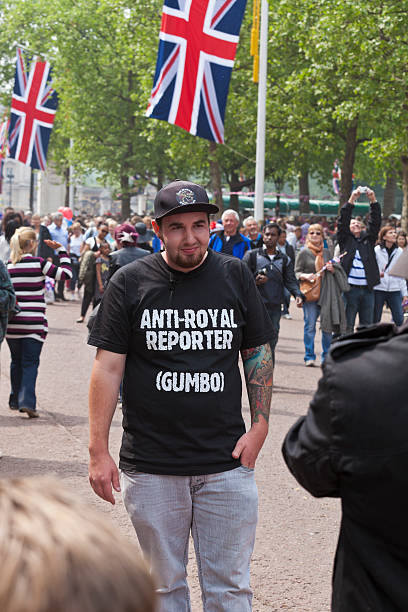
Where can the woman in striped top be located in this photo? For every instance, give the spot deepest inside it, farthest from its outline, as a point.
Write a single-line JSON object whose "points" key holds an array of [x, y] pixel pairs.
{"points": [[27, 331]]}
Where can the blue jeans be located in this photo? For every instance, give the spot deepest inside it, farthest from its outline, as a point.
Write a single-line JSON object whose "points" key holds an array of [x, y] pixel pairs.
{"points": [[394, 301], [360, 299], [25, 359], [311, 312], [274, 313], [220, 510], [286, 301]]}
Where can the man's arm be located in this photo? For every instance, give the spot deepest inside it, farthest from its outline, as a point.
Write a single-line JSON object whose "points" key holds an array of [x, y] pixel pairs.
{"points": [[258, 369], [307, 448], [291, 283], [343, 222], [374, 218], [106, 376]]}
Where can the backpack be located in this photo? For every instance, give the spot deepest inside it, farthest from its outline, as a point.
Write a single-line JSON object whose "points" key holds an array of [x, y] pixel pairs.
{"points": [[87, 269]]}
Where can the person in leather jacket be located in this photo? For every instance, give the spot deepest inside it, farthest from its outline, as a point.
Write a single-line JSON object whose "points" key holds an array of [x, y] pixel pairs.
{"points": [[352, 444], [359, 262]]}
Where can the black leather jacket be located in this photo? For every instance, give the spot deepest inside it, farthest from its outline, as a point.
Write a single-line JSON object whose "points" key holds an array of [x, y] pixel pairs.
{"points": [[353, 444], [365, 243]]}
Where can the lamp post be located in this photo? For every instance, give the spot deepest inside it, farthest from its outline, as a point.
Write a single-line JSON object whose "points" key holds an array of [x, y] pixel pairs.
{"points": [[259, 210], [10, 177]]}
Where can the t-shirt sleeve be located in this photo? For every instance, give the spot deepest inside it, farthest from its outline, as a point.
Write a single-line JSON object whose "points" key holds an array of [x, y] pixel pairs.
{"points": [[258, 328], [111, 330]]}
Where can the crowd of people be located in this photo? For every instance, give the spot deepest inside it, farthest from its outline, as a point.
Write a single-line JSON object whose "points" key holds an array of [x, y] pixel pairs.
{"points": [[333, 269], [168, 329]]}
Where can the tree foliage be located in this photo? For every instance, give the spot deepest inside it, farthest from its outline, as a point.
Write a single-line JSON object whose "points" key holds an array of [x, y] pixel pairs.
{"points": [[337, 87]]}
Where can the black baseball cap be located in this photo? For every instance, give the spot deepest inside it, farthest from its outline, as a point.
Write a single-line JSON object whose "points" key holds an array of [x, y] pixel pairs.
{"points": [[180, 197]]}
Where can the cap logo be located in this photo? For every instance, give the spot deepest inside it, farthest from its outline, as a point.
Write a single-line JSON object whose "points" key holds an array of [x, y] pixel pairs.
{"points": [[185, 196]]}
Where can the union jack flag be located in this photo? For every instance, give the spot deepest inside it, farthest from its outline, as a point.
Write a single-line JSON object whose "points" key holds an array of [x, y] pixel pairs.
{"points": [[33, 106], [198, 42]]}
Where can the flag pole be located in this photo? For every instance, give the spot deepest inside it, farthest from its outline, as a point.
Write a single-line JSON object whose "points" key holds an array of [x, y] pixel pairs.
{"points": [[260, 135]]}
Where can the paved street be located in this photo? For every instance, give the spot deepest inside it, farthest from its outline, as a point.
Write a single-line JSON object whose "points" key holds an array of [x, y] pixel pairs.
{"points": [[296, 535]]}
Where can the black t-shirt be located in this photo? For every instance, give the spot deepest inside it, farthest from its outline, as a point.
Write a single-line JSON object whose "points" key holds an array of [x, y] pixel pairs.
{"points": [[182, 333]]}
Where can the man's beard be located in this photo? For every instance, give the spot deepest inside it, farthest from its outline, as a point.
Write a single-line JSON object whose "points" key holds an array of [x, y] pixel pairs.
{"points": [[189, 261], [186, 261]]}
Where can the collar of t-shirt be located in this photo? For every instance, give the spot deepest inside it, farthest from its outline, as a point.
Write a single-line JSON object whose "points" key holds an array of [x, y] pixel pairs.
{"points": [[266, 254], [234, 238]]}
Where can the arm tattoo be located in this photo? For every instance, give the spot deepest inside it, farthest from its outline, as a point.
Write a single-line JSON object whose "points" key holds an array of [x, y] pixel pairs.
{"points": [[258, 368]]}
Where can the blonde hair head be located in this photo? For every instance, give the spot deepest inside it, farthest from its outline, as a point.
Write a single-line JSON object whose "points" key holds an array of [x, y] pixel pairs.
{"points": [[21, 242], [315, 226], [57, 554]]}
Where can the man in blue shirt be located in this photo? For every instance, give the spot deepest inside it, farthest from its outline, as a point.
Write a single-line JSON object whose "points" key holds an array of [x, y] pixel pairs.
{"points": [[230, 241]]}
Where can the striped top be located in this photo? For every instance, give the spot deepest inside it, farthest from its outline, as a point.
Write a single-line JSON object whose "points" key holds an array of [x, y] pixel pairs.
{"points": [[357, 275], [28, 278]]}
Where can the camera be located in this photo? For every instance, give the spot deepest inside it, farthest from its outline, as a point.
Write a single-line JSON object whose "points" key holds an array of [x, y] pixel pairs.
{"points": [[362, 189], [262, 272]]}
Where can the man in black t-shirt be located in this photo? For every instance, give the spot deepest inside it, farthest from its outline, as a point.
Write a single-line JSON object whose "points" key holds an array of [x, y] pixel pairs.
{"points": [[172, 324]]}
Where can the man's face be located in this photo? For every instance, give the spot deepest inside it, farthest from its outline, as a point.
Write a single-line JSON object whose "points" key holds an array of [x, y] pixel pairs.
{"points": [[355, 227], [282, 238], [230, 223], [58, 221], [270, 237], [185, 237], [253, 229]]}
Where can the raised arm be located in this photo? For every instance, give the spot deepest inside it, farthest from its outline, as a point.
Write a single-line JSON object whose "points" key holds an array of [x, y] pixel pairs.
{"points": [[258, 369], [63, 271], [374, 218], [343, 223]]}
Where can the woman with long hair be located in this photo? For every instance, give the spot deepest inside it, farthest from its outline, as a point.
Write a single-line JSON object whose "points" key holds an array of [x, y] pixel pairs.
{"points": [[402, 241], [327, 302], [391, 290], [27, 330]]}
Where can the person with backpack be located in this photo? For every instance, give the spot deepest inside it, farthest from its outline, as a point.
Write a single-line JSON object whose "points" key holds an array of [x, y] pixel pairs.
{"points": [[273, 273], [87, 278]]}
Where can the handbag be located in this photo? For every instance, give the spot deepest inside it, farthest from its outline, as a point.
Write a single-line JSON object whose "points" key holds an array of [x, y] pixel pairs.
{"points": [[311, 289]]}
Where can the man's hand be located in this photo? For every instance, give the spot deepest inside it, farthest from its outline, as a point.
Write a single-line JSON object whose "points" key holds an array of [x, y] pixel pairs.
{"points": [[248, 446], [103, 475], [330, 267], [53, 244], [299, 302], [258, 369], [371, 196], [261, 279], [107, 372], [354, 196]]}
